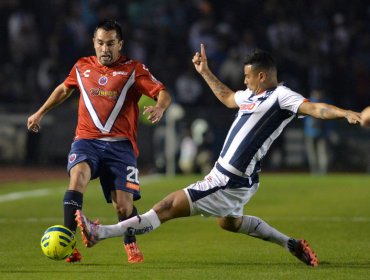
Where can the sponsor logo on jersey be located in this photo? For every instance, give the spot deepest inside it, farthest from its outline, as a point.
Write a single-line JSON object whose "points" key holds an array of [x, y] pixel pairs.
{"points": [[103, 80], [247, 106], [105, 93], [123, 73]]}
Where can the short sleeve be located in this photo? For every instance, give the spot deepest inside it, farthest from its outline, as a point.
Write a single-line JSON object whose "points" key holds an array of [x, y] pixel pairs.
{"points": [[146, 83], [71, 80], [241, 95], [289, 99]]}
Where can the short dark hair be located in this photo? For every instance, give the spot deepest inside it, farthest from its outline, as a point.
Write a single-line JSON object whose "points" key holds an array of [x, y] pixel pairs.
{"points": [[261, 60], [109, 25]]}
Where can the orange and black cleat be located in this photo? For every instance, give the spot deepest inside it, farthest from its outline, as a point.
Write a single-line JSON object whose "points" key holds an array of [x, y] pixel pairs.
{"points": [[74, 257], [134, 254], [301, 250]]}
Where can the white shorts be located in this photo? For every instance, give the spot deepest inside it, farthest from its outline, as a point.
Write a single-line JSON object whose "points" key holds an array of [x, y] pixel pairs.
{"points": [[217, 196]]}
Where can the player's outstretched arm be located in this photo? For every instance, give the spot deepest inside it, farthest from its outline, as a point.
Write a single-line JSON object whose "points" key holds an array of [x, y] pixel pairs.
{"points": [[328, 112], [59, 94], [220, 90]]}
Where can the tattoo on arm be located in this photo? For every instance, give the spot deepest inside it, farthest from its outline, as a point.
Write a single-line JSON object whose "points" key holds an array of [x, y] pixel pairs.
{"points": [[218, 88], [329, 113], [323, 112]]}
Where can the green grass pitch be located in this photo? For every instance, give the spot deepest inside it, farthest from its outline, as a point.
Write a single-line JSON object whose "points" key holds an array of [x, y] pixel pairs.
{"points": [[332, 212]]}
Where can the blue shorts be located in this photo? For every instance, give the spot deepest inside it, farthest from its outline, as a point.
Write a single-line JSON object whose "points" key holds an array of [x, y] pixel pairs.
{"points": [[114, 162]]}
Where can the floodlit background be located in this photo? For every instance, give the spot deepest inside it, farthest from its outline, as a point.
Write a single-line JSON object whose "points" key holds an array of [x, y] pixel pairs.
{"points": [[322, 49], [318, 45]]}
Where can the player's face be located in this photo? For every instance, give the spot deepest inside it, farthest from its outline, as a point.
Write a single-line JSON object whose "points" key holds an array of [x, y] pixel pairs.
{"points": [[253, 79], [107, 46]]}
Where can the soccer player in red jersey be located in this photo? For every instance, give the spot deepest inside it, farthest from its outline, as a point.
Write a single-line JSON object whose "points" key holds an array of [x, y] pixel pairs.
{"points": [[105, 147]]}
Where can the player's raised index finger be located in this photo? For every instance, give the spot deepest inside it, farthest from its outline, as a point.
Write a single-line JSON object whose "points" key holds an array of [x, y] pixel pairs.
{"points": [[203, 51]]}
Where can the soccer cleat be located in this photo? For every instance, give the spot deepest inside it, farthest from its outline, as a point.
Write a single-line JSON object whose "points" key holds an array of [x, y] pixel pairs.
{"points": [[301, 250], [134, 254], [89, 229], [74, 257]]}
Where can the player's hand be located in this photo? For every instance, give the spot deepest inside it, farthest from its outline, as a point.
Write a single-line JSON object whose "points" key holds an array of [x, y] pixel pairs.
{"points": [[154, 113], [33, 123], [353, 117], [200, 60]]}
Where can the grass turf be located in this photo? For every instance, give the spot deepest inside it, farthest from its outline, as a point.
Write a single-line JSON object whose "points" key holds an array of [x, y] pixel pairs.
{"points": [[332, 212]]}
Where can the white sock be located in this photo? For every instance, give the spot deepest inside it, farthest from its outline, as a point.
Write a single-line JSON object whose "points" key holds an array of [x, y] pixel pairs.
{"points": [[136, 225], [256, 227]]}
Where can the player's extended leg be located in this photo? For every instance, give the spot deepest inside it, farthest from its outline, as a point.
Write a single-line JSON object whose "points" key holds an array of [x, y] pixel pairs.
{"points": [[254, 226], [123, 203], [80, 176], [175, 205]]}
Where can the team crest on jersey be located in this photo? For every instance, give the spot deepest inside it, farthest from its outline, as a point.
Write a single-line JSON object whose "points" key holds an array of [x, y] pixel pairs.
{"points": [[72, 158], [103, 80]]}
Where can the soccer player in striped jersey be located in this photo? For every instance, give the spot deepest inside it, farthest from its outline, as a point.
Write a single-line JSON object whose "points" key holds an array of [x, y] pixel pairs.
{"points": [[265, 108], [110, 86]]}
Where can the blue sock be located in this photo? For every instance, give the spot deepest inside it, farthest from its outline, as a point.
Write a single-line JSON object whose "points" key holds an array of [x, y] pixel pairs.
{"points": [[72, 202]]}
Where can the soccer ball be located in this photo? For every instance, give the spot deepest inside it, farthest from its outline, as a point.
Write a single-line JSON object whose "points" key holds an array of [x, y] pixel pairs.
{"points": [[58, 242]]}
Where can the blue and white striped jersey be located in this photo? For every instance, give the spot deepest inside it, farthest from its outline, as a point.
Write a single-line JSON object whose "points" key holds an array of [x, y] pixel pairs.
{"points": [[260, 120]]}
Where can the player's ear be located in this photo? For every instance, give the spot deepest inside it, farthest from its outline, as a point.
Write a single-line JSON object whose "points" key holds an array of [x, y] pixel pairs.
{"points": [[121, 44], [261, 76]]}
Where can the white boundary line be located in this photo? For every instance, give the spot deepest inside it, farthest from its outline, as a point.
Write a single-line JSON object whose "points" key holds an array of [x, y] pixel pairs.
{"points": [[21, 195], [45, 192]]}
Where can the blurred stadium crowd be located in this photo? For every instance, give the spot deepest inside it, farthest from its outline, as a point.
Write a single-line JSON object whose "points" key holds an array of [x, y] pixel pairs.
{"points": [[318, 44]]}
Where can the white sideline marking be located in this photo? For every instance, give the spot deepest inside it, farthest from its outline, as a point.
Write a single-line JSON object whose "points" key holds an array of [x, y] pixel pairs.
{"points": [[44, 192], [20, 195]]}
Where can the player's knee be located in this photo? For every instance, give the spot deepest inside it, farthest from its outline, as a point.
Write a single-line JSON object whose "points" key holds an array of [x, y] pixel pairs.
{"points": [[229, 224], [175, 205], [165, 205], [228, 227], [123, 210], [80, 175]]}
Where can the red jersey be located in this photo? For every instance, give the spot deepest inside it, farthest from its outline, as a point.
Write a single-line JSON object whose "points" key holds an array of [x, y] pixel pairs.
{"points": [[109, 96]]}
